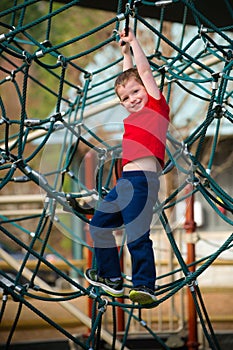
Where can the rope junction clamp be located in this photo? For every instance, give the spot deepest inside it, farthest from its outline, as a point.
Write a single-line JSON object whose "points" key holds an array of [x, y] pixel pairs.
{"points": [[219, 111], [62, 60], [92, 294], [103, 308], [192, 283], [163, 2], [27, 58], [2, 38]]}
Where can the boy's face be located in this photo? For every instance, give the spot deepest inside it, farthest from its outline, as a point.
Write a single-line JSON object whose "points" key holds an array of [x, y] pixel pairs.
{"points": [[133, 95]]}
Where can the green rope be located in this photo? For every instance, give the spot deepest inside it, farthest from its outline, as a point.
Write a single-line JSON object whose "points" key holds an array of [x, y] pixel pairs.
{"points": [[69, 116]]}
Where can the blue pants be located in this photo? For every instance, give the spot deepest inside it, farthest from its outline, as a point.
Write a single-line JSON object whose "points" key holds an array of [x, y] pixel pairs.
{"points": [[129, 203]]}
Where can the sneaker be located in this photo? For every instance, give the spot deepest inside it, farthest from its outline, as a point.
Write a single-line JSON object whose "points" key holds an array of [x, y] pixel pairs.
{"points": [[142, 295], [114, 288]]}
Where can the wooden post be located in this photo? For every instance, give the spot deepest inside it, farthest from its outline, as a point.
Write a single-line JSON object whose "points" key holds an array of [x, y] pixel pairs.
{"points": [[120, 312], [190, 227]]}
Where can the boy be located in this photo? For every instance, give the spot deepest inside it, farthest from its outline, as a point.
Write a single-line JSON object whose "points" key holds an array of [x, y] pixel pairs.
{"points": [[131, 201]]}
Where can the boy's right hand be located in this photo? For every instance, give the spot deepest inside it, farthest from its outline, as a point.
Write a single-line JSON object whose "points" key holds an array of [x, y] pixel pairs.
{"points": [[125, 40], [127, 37]]}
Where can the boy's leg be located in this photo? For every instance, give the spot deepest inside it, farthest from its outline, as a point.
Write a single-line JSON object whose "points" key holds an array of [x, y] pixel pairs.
{"points": [[137, 218], [143, 270], [108, 263], [106, 218], [143, 264], [108, 272]]}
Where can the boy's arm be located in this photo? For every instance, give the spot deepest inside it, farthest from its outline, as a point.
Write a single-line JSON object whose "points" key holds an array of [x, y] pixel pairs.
{"points": [[127, 61], [141, 63]]}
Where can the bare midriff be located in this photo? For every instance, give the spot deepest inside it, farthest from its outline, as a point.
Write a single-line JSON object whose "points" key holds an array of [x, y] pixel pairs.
{"points": [[143, 164]]}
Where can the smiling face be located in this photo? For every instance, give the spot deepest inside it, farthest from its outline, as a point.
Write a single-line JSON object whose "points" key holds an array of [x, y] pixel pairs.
{"points": [[133, 95]]}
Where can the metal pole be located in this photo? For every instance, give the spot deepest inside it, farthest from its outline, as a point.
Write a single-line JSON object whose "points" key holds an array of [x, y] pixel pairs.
{"points": [[89, 181]]}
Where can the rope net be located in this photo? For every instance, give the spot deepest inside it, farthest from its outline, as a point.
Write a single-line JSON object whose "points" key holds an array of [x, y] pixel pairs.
{"points": [[86, 156]]}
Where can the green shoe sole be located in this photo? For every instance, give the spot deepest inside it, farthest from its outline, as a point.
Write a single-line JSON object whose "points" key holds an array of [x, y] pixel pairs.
{"points": [[141, 297]]}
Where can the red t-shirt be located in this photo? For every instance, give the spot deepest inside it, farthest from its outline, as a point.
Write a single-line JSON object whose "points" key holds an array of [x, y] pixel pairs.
{"points": [[145, 132]]}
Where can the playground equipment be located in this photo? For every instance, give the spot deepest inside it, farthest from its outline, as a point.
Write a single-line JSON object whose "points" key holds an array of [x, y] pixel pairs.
{"points": [[200, 66]]}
